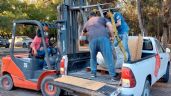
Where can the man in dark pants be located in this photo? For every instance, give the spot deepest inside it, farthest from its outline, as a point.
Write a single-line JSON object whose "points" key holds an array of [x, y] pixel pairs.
{"points": [[99, 41]]}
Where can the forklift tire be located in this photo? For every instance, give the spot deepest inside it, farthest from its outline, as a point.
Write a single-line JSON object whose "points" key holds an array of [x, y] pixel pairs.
{"points": [[49, 89], [7, 82]]}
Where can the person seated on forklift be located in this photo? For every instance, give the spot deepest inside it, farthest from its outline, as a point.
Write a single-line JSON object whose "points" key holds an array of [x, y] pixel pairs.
{"points": [[123, 30], [37, 46], [99, 41]]}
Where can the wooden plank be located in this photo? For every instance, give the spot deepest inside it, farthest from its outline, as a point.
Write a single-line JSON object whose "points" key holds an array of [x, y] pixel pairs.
{"points": [[139, 47], [135, 47], [83, 83]]}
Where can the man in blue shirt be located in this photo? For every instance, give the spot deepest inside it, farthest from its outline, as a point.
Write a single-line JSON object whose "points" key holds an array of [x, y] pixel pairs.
{"points": [[123, 30]]}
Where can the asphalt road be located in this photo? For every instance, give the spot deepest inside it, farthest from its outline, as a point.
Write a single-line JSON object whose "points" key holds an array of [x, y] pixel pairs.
{"points": [[158, 89], [162, 89], [19, 92]]}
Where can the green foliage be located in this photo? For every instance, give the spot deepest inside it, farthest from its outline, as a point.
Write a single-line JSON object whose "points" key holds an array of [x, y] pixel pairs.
{"points": [[154, 12], [130, 14], [45, 10], [42, 10]]}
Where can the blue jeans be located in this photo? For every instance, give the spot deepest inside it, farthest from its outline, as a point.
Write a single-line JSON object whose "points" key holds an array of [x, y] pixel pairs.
{"points": [[101, 44], [124, 39], [41, 53]]}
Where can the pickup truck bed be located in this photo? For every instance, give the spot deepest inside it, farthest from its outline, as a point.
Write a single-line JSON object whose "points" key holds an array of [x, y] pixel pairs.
{"points": [[77, 68], [78, 80]]}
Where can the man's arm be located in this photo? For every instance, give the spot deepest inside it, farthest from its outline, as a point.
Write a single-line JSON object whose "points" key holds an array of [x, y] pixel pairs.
{"points": [[84, 30], [33, 44], [83, 33], [33, 48], [118, 23], [118, 19], [111, 29]]}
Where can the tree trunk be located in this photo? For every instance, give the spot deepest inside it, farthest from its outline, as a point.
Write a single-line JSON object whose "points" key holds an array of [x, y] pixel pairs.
{"points": [[169, 41], [143, 31], [165, 25], [164, 38]]}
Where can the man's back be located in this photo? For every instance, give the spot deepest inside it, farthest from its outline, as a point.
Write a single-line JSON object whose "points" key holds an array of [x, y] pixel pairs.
{"points": [[96, 27]]}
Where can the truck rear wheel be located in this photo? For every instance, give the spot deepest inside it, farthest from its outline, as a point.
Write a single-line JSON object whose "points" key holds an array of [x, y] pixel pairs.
{"points": [[7, 82], [48, 89], [165, 77], [146, 90]]}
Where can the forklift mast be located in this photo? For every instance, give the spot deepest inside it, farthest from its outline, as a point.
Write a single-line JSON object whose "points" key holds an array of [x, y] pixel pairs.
{"points": [[73, 17], [69, 26]]}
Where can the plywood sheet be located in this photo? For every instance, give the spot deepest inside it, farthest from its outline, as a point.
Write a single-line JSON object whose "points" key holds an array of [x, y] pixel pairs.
{"points": [[135, 44], [84, 83]]}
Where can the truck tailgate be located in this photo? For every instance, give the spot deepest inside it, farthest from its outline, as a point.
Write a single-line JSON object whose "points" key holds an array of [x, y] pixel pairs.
{"points": [[85, 86]]}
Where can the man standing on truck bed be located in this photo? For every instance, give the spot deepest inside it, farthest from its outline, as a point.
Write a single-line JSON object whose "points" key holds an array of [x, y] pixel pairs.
{"points": [[99, 40], [123, 30]]}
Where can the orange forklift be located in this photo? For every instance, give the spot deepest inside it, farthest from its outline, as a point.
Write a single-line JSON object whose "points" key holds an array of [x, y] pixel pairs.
{"points": [[22, 71]]}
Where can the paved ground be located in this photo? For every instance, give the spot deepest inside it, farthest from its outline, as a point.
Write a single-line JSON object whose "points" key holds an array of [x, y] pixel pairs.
{"points": [[19, 92], [162, 89], [158, 89]]}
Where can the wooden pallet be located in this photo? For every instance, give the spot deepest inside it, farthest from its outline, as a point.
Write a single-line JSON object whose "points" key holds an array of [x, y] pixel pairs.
{"points": [[102, 70]]}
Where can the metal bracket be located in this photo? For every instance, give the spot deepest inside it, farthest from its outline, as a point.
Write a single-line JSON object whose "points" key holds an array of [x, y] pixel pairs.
{"points": [[100, 10], [88, 6], [84, 17]]}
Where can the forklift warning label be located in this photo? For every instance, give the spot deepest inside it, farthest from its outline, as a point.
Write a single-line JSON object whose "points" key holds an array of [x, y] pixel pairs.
{"points": [[25, 65]]}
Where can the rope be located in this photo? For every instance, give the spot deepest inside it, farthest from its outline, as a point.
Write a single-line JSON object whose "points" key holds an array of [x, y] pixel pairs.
{"points": [[116, 36]]}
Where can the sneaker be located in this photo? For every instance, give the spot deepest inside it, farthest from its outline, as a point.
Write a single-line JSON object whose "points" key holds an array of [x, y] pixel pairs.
{"points": [[93, 75]]}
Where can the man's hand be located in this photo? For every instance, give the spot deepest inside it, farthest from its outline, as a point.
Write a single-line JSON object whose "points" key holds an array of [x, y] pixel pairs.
{"points": [[34, 52], [112, 38], [41, 48], [109, 14], [118, 23]]}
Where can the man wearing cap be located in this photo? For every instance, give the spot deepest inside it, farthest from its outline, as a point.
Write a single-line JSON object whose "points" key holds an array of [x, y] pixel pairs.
{"points": [[99, 41], [123, 30]]}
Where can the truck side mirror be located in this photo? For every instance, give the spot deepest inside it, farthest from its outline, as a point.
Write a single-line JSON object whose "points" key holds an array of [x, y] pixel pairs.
{"points": [[167, 50]]}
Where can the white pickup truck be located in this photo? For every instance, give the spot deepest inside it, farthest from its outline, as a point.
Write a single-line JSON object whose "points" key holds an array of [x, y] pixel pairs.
{"points": [[136, 77]]}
